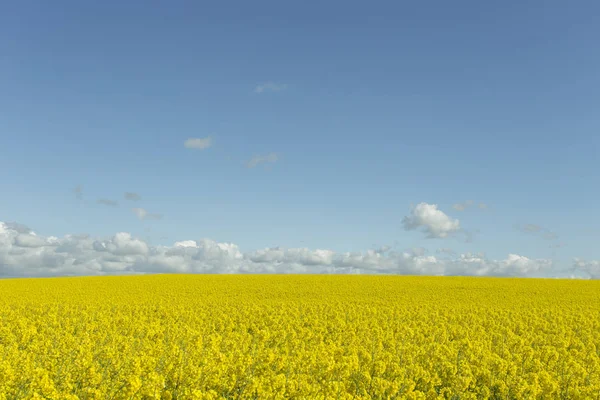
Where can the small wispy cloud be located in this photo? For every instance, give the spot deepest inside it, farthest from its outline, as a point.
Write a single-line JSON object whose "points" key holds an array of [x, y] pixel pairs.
{"points": [[198, 143], [270, 87], [132, 196], [470, 235], [78, 192], [468, 204], [142, 214], [107, 202], [537, 230], [417, 251], [530, 228], [446, 250], [550, 235], [463, 206], [256, 160], [557, 245], [382, 249]]}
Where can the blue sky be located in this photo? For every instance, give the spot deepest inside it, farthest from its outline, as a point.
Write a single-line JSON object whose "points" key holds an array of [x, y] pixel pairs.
{"points": [[367, 108]]}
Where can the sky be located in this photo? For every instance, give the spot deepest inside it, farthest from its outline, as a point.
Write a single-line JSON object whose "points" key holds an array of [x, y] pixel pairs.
{"points": [[437, 138]]}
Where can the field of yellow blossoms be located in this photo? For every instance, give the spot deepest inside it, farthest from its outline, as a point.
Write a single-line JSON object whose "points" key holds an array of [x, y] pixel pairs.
{"points": [[299, 337]]}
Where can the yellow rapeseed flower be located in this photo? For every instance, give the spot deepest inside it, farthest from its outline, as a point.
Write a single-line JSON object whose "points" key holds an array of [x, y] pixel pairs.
{"points": [[297, 336]]}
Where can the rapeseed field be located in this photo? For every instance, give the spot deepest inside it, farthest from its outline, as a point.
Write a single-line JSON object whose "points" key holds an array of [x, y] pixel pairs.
{"points": [[299, 337]]}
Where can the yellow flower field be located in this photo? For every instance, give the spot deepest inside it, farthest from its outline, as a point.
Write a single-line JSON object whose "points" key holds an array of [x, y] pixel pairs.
{"points": [[302, 337]]}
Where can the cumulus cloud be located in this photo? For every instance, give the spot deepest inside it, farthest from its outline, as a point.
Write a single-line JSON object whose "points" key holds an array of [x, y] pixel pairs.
{"points": [[402, 263], [107, 202], [20, 228], [514, 265], [434, 222], [132, 196], [256, 160], [122, 244], [142, 213], [291, 258], [29, 240], [198, 143], [592, 267], [23, 253], [270, 87]]}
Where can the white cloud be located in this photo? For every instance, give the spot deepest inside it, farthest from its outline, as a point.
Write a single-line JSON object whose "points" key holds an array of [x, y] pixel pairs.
{"points": [[19, 228], [132, 196], [122, 244], [433, 221], [198, 143], [27, 254], [270, 87], [186, 243], [403, 263], [514, 265], [29, 240], [141, 213], [592, 267], [256, 160], [302, 256]]}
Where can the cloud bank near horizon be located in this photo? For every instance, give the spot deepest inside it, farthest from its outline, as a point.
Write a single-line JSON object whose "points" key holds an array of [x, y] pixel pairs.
{"points": [[23, 253]]}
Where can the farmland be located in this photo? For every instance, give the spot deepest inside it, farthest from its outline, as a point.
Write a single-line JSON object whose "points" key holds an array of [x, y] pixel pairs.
{"points": [[298, 336]]}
